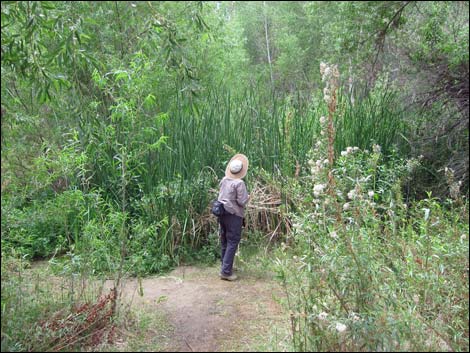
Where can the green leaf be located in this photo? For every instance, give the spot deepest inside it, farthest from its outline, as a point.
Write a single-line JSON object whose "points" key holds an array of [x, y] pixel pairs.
{"points": [[149, 101], [157, 145], [48, 5], [84, 37], [161, 118], [121, 75]]}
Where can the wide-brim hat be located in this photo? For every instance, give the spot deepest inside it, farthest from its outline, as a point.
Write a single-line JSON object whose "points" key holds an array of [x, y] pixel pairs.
{"points": [[241, 174]]}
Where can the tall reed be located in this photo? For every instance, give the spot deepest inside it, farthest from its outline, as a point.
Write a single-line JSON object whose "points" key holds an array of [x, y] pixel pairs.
{"points": [[374, 117], [176, 150]]}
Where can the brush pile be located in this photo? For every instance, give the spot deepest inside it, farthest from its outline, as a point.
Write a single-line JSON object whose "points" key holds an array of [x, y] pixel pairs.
{"points": [[87, 325], [266, 212]]}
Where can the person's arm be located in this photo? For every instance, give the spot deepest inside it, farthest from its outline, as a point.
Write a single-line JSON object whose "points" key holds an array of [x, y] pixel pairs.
{"points": [[242, 194]]}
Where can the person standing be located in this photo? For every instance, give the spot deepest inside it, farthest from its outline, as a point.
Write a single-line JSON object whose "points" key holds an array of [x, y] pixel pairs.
{"points": [[234, 197]]}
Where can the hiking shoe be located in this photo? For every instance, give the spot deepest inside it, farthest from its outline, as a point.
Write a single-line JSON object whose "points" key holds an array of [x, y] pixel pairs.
{"points": [[228, 278]]}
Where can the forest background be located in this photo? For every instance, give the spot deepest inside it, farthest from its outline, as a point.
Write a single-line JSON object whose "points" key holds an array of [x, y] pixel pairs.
{"points": [[118, 119]]}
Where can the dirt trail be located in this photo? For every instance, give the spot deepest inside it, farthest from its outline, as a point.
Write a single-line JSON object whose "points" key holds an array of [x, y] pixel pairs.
{"points": [[208, 314]]}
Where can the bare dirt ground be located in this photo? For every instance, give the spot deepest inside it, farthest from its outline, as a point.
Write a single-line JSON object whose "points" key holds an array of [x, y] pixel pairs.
{"points": [[199, 312]]}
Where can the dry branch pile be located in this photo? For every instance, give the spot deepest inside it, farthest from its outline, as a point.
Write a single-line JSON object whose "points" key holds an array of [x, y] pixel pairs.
{"points": [[265, 212], [87, 325]]}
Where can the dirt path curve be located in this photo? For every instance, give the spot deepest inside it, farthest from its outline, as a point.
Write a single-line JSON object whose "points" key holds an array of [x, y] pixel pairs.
{"points": [[208, 314]]}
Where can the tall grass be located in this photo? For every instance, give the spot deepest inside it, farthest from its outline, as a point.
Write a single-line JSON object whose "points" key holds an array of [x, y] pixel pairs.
{"points": [[374, 117], [175, 152], [270, 130], [208, 132]]}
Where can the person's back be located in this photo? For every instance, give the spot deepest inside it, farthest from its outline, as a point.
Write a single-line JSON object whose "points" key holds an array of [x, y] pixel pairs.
{"points": [[234, 196]]}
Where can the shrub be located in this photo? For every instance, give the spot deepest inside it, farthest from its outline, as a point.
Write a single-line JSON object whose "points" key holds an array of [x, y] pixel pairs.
{"points": [[367, 271]]}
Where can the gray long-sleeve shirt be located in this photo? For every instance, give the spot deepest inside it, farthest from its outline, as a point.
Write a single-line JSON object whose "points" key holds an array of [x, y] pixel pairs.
{"points": [[233, 195]]}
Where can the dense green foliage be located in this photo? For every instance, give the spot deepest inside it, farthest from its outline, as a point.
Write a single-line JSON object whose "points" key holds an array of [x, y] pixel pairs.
{"points": [[118, 119], [366, 271]]}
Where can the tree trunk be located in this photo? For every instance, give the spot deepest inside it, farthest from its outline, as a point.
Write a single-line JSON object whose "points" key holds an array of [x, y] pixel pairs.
{"points": [[267, 44]]}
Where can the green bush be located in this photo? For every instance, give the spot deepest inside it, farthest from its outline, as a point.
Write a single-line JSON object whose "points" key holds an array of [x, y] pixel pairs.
{"points": [[367, 271], [44, 227]]}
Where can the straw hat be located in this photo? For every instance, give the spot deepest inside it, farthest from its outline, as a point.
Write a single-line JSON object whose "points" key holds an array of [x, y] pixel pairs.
{"points": [[237, 167]]}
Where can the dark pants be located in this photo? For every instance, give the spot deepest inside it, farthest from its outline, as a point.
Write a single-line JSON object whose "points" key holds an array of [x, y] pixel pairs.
{"points": [[230, 235]]}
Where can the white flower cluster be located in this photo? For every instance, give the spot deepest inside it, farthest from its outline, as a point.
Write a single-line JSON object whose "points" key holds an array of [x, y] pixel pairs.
{"points": [[349, 150], [318, 189], [412, 164], [340, 327], [316, 167], [322, 316], [454, 186], [317, 161], [356, 194], [352, 195], [329, 75], [323, 125]]}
